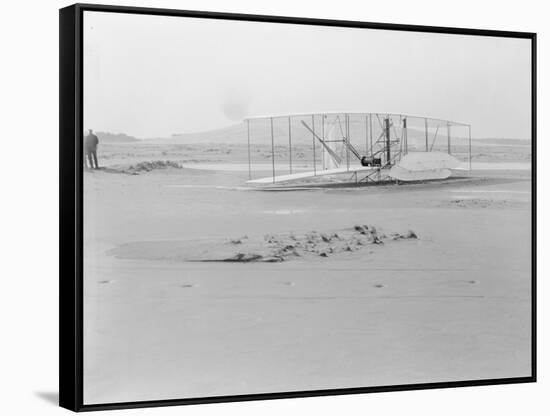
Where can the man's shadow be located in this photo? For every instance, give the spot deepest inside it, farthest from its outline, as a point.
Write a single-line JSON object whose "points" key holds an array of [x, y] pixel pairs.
{"points": [[51, 397]]}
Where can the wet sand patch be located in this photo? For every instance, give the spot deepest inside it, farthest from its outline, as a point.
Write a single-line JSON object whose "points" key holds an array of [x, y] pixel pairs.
{"points": [[471, 202]]}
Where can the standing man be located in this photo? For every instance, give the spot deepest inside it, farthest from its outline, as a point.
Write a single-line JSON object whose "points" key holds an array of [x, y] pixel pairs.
{"points": [[90, 148]]}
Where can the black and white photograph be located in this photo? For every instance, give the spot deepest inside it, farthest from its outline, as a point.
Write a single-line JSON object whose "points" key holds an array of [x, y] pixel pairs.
{"points": [[275, 207]]}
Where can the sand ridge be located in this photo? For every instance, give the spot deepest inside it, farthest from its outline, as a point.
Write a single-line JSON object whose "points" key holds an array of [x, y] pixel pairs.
{"points": [[270, 248]]}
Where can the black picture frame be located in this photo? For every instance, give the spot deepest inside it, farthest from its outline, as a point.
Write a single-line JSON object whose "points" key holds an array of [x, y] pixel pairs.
{"points": [[71, 204]]}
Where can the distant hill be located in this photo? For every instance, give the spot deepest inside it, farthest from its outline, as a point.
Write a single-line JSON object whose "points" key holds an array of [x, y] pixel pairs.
{"points": [[105, 137], [234, 134], [260, 133], [505, 142]]}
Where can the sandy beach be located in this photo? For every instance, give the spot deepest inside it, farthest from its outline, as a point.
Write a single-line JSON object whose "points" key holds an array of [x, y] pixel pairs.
{"points": [[168, 316]]}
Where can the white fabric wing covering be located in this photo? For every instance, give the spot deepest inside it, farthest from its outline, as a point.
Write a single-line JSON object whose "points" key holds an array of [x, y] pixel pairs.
{"points": [[331, 135], [405, 175], [427, 161], [424, 166]]}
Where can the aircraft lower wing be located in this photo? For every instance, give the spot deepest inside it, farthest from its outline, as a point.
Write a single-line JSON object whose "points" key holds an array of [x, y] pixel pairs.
{"points": [[310, 174]]}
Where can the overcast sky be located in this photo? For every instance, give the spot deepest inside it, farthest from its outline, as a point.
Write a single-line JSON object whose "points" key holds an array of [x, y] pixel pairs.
{"points": [[152, 76]]}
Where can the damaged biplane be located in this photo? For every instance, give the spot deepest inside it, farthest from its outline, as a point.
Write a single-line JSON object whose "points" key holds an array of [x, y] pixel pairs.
{"points": [[367, 147]]}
